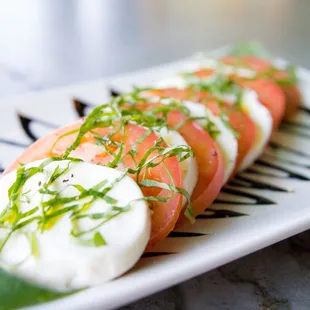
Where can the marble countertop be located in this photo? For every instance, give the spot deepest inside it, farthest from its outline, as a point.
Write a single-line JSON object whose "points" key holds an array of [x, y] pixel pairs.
{"points": [[55, 42], [277, 277]]}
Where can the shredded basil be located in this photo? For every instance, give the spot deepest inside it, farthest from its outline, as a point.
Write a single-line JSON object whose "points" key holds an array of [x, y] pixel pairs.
{"points": [[118, 113], [114, 116]]}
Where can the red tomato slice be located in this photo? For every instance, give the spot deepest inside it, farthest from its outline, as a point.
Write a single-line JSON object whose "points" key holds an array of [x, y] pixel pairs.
{"points": [[241, 123], [209, 159], [263, 67], [165, 215], [270, 95], [238, 120], [291, 92]]}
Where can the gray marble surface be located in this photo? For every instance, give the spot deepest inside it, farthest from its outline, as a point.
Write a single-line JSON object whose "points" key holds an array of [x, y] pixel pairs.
{"points": [[55, 42], [277, 277]]}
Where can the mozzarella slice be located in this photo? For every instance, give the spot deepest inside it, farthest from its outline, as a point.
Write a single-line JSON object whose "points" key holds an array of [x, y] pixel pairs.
{"points": [[61, 261], [263, 121], [188, 166]]}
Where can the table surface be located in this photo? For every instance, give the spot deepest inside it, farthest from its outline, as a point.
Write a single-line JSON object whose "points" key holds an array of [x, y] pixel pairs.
{"points": [[54, 42]]}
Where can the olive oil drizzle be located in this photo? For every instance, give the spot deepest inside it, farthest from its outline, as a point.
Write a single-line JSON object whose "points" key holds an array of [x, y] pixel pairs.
{"points": [[13, 219]]}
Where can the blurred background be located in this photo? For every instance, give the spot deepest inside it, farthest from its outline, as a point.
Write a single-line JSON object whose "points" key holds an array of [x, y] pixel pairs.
{"points": [[59, 42], [55, 42]]}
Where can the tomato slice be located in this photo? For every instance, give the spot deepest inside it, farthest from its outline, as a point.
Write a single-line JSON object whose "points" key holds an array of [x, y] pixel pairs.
{"points": [[265, 68], [209, 159], [165, 214], [270, 95], [241, 123], [291, 92], [238, 120]]}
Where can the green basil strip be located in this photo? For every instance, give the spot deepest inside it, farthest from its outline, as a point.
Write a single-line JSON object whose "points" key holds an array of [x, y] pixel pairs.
{"points": [[16, 292], [189, 213]]}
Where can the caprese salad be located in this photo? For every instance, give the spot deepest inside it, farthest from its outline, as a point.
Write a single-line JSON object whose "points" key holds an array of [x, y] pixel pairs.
{"points": [[80, 206]]}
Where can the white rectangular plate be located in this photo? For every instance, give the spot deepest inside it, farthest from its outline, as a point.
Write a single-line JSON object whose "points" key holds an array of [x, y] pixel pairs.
{"points": [[264, 205]]}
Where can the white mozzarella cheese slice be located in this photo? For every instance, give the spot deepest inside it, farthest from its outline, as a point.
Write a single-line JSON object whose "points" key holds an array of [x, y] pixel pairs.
{"points": [[189, 166], [263, 121], [56, 259]]}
